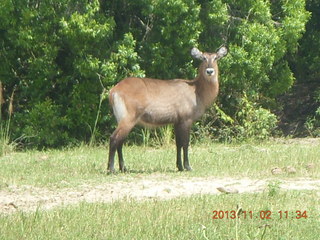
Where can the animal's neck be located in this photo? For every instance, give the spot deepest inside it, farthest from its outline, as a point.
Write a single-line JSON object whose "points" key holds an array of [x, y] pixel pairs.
{"points": [[206, 90]]}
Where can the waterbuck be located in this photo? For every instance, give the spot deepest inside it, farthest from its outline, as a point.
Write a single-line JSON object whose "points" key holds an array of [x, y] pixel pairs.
{"points": [[154, 102]]}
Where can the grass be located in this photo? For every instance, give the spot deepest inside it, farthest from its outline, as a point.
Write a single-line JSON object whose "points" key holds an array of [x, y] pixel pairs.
{"points": [[5, 144], [75, 166], [182, 218]]}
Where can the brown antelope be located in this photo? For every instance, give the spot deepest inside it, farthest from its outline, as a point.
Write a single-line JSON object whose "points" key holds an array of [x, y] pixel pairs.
{"points": [[153, 102]]}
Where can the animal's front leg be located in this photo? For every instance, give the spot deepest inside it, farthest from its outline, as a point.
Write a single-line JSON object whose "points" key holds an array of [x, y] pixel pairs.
{"points": [[182, 132]]}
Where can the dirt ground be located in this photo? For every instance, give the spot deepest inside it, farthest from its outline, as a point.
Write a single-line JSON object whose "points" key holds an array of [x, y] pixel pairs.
{"points": [[155, 186]]}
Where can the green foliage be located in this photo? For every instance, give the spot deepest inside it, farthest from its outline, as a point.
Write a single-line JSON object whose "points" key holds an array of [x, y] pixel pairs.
{"points": [[313, 122], [57, 57], [174, 27], [43, 123], [308, 57], [255, 121], [307, 65], [259, 37], [258, 46], [6, 146], [251, 121], [62, 55], [274, 188], [307, 60]]}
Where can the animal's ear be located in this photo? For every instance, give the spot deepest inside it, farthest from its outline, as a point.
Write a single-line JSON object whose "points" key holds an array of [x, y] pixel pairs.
{"points": [[196, 53], [222, 52]]}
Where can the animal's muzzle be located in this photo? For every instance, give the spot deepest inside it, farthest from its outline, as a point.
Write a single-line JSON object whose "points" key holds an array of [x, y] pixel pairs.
{"points": [[210, 71]]}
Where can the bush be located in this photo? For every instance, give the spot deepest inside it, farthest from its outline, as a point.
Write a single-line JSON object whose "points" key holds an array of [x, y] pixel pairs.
{"points": [[254, 121], [313, 122], [44, 126], [61, 55], [250, 122]]}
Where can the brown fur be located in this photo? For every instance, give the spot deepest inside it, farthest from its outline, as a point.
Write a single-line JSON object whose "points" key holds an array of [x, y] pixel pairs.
{"points": [[154, 102]]}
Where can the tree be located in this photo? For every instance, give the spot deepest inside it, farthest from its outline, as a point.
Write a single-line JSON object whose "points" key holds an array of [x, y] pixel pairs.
{"points": [[306, 65], [262, 36], [61, 55]]}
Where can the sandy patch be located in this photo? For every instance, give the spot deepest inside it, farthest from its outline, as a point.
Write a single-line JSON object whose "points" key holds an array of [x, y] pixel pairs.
{"points": [[29, 198]]}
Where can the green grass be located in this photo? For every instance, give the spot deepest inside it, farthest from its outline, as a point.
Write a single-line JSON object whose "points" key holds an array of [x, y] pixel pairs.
{"points": [[76, 166], [181, 218]]}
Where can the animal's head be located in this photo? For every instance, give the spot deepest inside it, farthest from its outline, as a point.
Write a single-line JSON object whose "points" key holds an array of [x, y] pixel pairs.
{"points": [[209, 66]]}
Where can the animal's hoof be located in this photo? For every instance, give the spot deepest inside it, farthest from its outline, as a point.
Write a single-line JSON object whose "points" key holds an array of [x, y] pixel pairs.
{"points": [[189, 169], [111, 171], [180, 167]]}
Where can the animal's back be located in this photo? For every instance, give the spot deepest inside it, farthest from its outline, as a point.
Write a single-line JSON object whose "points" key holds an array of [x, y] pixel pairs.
{"points": [[156, 102]]}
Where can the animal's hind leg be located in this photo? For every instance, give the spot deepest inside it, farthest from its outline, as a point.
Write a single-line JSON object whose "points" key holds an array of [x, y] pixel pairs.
{"points": [[116, 141], [120, 156], [112, 150]]}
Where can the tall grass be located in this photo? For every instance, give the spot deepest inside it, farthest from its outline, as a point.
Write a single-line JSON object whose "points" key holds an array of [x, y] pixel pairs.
{"points": [[103, 96], [5, 144], [162, 136]]}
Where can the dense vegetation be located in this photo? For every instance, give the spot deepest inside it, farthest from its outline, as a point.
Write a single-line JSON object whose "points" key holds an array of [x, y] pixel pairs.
{"points": [[307, 67], [59, 58]]}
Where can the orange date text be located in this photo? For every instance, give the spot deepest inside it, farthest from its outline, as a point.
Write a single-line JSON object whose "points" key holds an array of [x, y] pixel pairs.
{"points": [[264, 214]]}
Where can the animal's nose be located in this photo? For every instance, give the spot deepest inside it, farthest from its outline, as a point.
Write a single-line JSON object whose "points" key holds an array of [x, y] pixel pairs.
{"points": [[210, 71]]}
